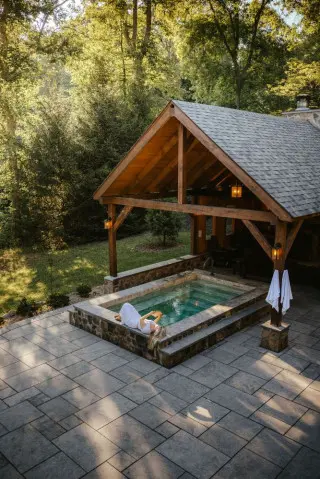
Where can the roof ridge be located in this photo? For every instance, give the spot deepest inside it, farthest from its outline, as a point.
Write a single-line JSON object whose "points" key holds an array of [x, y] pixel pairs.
{"points": [[241, 112]]}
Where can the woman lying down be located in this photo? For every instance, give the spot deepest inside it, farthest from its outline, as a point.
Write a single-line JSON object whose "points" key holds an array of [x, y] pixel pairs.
{"points": [[130, 317]]}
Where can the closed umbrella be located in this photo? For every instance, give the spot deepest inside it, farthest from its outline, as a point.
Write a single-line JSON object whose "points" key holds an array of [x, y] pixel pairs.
{"points": [[274, 291], [286, 293]]}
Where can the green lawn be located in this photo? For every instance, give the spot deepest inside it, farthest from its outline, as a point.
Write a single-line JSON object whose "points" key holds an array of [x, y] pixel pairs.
{"points": [[88, 264]]}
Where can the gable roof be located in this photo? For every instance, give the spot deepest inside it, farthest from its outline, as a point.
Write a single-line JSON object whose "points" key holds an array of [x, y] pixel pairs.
{"points": [[281, 155]]}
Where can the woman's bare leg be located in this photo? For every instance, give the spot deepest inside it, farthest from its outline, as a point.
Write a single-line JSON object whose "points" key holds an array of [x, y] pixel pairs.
{"points": [[158, 315]]}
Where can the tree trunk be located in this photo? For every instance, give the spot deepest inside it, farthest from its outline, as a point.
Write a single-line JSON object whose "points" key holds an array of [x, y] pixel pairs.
{"points": [[134, 24], [10, 120], [124, 71], [238, 90]]}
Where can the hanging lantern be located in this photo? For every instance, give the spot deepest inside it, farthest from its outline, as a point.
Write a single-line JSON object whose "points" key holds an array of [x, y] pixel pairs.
{"points": [[236, 191], [276, 252], [108, 224]]}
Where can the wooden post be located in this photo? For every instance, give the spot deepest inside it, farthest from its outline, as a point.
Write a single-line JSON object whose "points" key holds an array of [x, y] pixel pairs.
{"points": [[202, 227], [182, 167], [193, 228], [221, 232], [112, 242], [281, 238], [214, 226]]}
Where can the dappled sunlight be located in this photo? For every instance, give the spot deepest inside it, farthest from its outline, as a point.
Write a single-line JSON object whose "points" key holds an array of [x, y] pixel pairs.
{"points": [[36, 275], [16, 284], [200, 414]]}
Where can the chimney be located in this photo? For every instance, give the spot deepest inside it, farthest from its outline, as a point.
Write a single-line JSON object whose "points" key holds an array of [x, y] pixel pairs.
{"points": [[303, 112], [303, 101]]}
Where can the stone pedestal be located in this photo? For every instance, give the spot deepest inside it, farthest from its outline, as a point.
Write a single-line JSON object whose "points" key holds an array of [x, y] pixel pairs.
{"points": [[273, 337]]}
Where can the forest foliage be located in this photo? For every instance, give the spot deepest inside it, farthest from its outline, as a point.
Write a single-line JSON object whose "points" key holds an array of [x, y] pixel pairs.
{"points": [[81, 80]]}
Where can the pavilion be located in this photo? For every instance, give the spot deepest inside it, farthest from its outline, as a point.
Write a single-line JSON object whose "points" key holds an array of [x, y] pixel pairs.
{"points": [[256, 171]]}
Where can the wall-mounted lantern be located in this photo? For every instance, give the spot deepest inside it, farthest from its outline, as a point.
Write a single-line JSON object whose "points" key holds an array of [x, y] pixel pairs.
{"points": [[236, 191], [276, 252], [108, 224]]}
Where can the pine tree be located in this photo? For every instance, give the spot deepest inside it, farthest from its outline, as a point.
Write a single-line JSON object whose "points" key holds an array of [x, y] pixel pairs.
{"points": [[164, 224]]}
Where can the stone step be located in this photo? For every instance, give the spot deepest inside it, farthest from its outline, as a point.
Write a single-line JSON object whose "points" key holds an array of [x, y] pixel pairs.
{"points": [[256, 309]]}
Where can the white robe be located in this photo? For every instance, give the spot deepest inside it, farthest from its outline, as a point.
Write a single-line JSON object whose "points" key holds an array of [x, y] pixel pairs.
{"points": [[130, 316]]}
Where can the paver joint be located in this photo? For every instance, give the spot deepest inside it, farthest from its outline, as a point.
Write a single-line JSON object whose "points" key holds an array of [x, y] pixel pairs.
{"points": [[72, 405]]}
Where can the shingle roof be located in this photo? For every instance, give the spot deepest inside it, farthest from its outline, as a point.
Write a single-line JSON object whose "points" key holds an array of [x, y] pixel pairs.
{"points": [[282, 155]]}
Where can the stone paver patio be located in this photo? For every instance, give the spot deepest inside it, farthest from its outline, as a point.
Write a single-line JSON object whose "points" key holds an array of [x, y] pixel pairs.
{"points": [[72, 405]]}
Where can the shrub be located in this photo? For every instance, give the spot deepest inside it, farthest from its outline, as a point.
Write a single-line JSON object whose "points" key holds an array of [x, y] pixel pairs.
{"points": [[26, 308], [83, 290], [164, 224], [58, 300]]}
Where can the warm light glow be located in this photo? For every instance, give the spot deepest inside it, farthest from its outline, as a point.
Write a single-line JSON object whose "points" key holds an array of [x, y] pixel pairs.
{"points": [[236, 191], [276, 252], [108, 224]]}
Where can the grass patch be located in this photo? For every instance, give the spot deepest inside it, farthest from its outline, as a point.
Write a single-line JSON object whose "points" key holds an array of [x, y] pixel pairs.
{"points": [[30, 276]]}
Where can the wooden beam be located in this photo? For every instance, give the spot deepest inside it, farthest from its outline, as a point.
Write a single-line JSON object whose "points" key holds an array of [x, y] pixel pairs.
{"points": [[151, 163], [292, 236], [158, 123], [170, 180], [198, 164], [122, 216], [220, 182], [270, 203], [254, 215], [199, 170], [280, 237], [171, 165], [112, 242], [182, 167], [220, 170], [217, 170], [256, 233]]}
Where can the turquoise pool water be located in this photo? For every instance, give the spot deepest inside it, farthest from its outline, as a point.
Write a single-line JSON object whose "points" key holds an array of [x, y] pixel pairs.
{"points": [[183, 300]]}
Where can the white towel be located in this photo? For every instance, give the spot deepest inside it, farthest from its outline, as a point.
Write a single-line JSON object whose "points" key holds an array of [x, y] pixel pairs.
{"points": [[274, 291], [286, 293]]}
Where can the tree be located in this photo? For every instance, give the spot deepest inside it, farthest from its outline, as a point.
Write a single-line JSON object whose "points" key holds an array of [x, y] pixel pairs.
{"points": [[302, 70], [301, 77], [164, 224], [22, 26], [231, 45]]}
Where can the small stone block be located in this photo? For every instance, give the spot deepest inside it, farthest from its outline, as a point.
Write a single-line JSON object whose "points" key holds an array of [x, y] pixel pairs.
{"points": [[167, 429], [274, 447], [9, 472], [305, 464], [86, 447], [57, 466], [223, 440], [121, 461], [274, 338], [153, 466], [25, 448], [48, 428], [70, 422]]}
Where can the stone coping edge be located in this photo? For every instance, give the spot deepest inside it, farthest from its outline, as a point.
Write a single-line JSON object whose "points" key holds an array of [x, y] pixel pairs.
{"points": [[150, 267], [96, 307]]}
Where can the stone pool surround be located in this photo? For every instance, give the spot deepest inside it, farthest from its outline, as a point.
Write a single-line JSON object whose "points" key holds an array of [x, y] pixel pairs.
{"points": [[95, 317], [150, 272]]}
